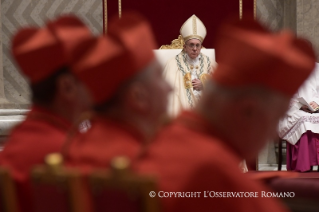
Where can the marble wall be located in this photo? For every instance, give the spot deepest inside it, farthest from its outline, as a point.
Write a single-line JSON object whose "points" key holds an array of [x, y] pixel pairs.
{"points": [[301, 16], [18, 13], [308, 21], [2, 96], [271, 13]]}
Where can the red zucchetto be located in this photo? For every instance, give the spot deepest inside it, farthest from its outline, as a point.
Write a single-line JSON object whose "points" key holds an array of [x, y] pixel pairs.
{"points": [[105, 63], [71, 31], [42, 51], [248, 54]]}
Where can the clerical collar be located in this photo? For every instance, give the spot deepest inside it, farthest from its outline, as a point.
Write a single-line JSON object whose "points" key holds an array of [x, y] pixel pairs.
{"points": [[192, 61]]}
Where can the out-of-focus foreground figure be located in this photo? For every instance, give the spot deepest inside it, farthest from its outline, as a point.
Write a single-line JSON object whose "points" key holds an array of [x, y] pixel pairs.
{"points": [[58, 97], [129, 93], [237, 114]]}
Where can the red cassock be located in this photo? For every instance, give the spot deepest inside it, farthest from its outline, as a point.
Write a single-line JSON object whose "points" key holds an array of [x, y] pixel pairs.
{"points": [[189, 156], [41, 133], [105, 140]]}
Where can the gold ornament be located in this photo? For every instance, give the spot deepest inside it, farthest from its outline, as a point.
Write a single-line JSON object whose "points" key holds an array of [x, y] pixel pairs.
{"points": [[188, 81]]}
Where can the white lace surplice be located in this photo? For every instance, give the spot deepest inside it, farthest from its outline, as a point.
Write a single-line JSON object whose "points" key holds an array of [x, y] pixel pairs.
{"points": [[296, 122]]}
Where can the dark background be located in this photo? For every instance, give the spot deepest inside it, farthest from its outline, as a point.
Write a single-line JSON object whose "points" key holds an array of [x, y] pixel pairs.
{"points": [[167, 16]]}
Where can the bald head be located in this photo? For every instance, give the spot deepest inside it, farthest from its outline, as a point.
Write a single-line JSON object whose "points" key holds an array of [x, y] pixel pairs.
{"points": [[247, 117], [142, 100]]}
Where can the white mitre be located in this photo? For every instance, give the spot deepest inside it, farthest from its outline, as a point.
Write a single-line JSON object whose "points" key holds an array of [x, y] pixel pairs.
{"points": [[193, 28]]}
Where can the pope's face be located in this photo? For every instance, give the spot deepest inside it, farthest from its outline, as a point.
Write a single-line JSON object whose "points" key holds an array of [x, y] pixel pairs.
{"points": [[192, 47]]}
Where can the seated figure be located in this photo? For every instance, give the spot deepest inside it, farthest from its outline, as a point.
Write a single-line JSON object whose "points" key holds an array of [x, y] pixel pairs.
{"points": [[187, 71], [300, 127]]}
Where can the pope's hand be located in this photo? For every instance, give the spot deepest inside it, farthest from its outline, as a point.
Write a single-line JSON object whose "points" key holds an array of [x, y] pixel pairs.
{"points": [[314, 105], [197, 84]]}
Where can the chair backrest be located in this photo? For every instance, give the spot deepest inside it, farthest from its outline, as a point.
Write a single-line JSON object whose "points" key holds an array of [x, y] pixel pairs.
{"points": [[164, 55], [119, 190], [8, 199], [56, 188], [167, 52]]}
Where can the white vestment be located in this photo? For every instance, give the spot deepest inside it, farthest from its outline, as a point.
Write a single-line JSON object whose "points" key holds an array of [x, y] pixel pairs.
{"points": [[296, 122], [179, 72]]}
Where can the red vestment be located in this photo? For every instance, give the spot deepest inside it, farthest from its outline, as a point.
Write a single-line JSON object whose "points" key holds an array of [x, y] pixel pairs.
{"points": [[185, 157], [105, 140], [41, 133], [189, 156]]}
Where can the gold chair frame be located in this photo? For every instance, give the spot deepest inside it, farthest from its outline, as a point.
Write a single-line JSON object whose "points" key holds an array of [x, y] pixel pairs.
{"points": [[8, 192]]}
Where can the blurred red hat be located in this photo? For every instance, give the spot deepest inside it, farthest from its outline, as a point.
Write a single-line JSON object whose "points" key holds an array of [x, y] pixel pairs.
{"points": [[105, 63], [41, 51], [248, 54], [71, 31]]}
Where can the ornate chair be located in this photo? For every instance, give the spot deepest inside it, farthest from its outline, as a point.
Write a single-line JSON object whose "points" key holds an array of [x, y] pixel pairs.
{"points": [[56, 188], [8, 201], [167, 52], [120, 190]]}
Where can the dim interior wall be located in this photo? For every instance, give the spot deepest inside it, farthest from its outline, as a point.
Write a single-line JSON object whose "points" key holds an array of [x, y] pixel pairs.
{"points": [[16, 14], [308, 21], [167, 16], [271, 13], [2, 96]]}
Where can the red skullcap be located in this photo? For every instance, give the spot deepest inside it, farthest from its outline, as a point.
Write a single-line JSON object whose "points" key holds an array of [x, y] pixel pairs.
{"points": [[248, 54], [42, 51], [105, 63]]}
